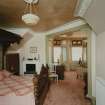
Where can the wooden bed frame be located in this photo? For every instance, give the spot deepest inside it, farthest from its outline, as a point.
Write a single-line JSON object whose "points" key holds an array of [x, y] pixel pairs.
{"points": [[41, 86]]}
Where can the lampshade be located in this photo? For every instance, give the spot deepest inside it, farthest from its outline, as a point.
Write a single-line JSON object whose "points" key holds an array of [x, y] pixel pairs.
{"points": [[30, 18]]}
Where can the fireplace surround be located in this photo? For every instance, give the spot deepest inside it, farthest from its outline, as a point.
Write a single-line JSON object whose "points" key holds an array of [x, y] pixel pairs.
{"points": [[31, 66]]}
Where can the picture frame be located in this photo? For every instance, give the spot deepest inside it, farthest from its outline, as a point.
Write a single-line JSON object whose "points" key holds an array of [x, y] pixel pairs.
{"points": [[33, 49]]}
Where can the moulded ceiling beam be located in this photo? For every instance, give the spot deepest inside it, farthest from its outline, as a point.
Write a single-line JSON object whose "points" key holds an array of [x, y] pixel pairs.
{"points": [[66, 27], [82, 6]]}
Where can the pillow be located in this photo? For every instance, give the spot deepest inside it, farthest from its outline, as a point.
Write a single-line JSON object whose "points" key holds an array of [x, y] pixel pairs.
{"points": [[1, 75], [6, 73]]}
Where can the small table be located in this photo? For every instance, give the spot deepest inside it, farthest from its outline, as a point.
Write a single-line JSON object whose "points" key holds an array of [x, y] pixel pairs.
{"points": [[53, 75]]}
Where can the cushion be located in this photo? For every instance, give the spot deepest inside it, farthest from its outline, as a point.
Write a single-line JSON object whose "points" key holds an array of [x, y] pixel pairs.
{"points": [[1, 75], [6, 73]]}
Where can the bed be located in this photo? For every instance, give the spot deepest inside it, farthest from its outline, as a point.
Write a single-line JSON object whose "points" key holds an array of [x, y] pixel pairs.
{"points": [[16, 90], [23, 90]]}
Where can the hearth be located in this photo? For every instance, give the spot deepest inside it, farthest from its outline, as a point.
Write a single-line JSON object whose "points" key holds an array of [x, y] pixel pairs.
{"points": [[30, 69]]}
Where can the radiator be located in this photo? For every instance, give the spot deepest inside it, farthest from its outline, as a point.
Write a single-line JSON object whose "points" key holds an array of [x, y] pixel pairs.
{"points": [[100, 91]]}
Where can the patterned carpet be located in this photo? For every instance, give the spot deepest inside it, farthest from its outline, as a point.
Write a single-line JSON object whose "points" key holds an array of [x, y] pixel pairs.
{"points": [[67, 92]]}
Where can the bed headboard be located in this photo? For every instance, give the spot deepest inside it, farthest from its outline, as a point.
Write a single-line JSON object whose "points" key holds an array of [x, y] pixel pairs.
{"points": [[42, 86]]}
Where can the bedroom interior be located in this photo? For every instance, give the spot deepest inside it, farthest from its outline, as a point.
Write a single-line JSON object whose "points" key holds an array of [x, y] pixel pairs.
{"points": [[62, 40]]}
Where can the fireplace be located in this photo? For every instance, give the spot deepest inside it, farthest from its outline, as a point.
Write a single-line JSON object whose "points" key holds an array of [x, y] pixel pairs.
{"points": [[31, 66], [30, 69]]}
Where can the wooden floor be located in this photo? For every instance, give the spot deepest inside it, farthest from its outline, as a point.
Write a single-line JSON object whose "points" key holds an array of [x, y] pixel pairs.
{"points": [[67, 92]]}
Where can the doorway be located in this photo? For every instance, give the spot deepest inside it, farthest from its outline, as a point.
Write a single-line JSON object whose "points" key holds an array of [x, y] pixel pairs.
{"points": [[12, 63], [68, 49]]}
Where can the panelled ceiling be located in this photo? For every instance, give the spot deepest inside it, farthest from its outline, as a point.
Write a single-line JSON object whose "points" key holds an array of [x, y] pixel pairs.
{"points": [[52, 13]]}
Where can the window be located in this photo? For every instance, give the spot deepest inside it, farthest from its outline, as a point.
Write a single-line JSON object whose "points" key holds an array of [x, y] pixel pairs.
{"points": [[57, 54], [76, 53]]}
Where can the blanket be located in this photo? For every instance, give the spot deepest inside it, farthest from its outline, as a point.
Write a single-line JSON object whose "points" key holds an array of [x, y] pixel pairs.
{"points": [[16, 86]]}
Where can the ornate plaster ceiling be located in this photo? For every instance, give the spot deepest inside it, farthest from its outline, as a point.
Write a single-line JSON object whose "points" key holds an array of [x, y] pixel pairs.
{"points": [[52, 13]]}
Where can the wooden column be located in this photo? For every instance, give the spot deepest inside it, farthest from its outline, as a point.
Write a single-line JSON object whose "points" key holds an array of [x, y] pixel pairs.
{"points": [[1, 56], [69, 54], [4, 49]]}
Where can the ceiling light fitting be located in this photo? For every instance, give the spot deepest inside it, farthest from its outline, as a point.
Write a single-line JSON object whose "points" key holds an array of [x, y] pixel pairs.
{"points": [[30, 18]]}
